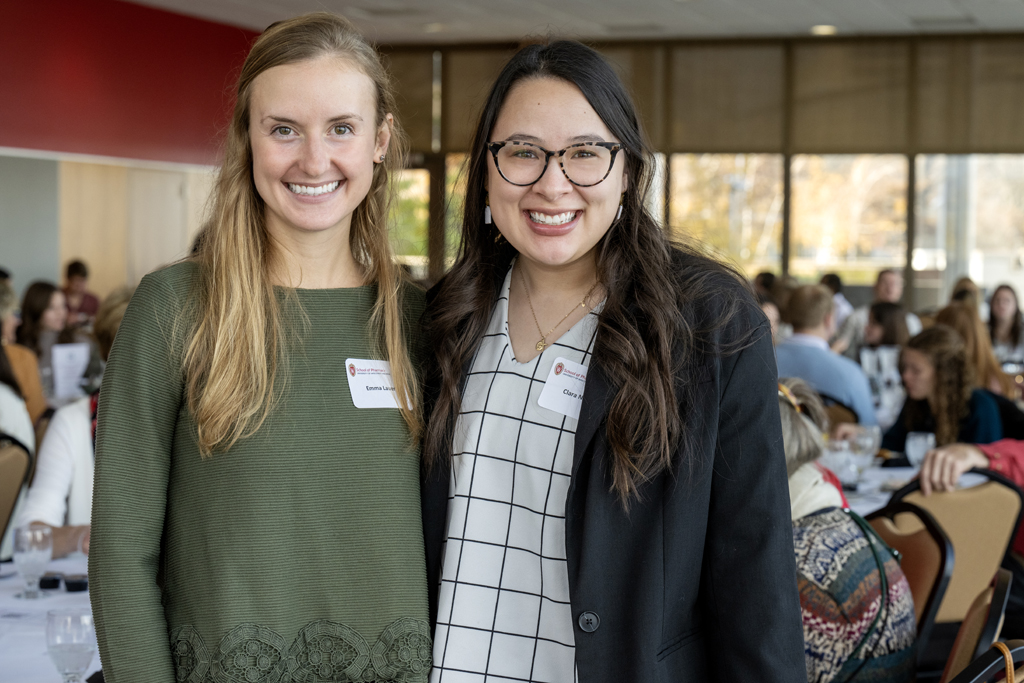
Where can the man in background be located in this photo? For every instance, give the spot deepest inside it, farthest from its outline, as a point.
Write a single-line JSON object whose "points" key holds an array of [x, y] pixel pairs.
{"points": [[82, 304], [806, 354], [888, 288], [842, 307]]}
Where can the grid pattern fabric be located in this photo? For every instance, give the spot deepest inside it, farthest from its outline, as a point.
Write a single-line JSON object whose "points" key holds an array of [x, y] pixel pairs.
{"points": [[504, 613]]}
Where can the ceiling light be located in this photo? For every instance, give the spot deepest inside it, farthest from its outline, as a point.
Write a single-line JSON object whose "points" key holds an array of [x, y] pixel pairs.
{"points": [[824, 30], [433, 28]]}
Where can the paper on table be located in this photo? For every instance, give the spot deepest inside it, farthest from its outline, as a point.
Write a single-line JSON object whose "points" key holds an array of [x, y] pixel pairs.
{"points": [[69, 362]]}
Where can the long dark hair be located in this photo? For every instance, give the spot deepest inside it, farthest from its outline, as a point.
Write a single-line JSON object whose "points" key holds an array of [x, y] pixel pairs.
{"points": [[954, 382], [649, 332], [893, 321], [1018, 320], [33, 305]]}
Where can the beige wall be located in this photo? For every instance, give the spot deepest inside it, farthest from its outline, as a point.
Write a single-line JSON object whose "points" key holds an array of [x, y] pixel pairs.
{"points": [[124, 221]]}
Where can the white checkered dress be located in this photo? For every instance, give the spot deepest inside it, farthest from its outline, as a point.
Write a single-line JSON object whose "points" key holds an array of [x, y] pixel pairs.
{"points": [[504, 612]]}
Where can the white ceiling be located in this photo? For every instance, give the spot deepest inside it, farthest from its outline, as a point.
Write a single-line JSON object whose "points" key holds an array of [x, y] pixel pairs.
{"points": [[456, 21]]}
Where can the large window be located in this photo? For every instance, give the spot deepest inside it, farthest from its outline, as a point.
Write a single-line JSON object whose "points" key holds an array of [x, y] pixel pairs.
{"points": [[849, 215], [731, 204], [970, 221], [411, 221]]}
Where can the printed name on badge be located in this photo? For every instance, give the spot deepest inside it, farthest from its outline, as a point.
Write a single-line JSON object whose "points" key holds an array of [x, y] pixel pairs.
{"points": [[370, 383], [563, 390]]}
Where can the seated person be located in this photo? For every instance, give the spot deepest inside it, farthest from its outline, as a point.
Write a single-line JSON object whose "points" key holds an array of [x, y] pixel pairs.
{"points": [[978, 347], [888, 287], [61, 492], [82, 304], [771, 311], [24, 365], [1005, 324], [942, 469], [806, 354], [942, 395], [838, 563], [884, 337]]}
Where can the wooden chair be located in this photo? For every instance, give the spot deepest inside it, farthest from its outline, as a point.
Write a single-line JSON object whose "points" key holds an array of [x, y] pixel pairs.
{"points": [[981, 625], [927, 558], [981, 523], [15, 463], [991, 663]]}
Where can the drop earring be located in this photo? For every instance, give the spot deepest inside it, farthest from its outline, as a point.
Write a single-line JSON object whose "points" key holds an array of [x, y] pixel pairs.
{"points": [[487, 212], [622, 200]]}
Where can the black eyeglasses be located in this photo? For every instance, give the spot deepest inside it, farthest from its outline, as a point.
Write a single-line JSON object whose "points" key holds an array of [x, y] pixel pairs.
{"points": [[584, 164]]}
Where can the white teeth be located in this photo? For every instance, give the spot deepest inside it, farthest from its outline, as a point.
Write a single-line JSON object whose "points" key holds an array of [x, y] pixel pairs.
{"points": [[559, 219], [311, 191]]}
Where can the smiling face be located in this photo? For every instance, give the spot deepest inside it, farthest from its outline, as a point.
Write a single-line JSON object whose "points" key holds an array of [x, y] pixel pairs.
{"points": [[918, 374], [552, 222], [315, 140]]}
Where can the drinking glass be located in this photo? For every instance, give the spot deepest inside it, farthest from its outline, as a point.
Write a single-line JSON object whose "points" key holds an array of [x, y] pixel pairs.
{"points": [[918, 445], [864, 446], [70, 642], [33, 549], [838, 458]]}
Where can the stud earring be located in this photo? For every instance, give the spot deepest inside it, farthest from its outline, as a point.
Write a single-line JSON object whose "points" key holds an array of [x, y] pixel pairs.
{"points": [[382, 157]]}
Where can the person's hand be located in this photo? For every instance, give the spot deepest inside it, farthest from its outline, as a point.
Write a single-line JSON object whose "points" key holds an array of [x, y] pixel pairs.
{"points": [[840, 345], [83, 539], [943, 466]]}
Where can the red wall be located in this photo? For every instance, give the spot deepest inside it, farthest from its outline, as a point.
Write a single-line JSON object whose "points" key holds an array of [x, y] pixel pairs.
{"points": [[116, 79]]}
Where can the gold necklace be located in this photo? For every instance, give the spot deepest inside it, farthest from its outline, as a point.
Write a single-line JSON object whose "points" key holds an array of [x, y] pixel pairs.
{"points": [[543, 342]]}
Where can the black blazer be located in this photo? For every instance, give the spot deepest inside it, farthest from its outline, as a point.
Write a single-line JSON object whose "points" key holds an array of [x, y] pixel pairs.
{"points": [[698, 581]]}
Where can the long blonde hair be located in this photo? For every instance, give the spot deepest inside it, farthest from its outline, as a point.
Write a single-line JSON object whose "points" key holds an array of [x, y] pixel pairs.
{"points": [[234, 360]]}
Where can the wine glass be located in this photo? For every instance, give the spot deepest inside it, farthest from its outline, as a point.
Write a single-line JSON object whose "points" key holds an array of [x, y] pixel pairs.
{"points": [[33, 549], [864, 446], [70, 642], [918, 445]]}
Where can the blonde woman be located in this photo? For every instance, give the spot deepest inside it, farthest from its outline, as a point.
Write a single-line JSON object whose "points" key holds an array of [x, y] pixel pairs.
{"points": [[256, 504]]}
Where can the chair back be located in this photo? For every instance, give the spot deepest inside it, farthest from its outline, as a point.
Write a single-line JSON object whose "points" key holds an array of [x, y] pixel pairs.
{"points": [[980, 522], [15, 463], [837, 411], [991, 663], [927, 558], [981, 625]]}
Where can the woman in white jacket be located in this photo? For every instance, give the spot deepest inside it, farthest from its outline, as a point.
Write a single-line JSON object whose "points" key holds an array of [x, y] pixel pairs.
{"points": [[61, 491]]}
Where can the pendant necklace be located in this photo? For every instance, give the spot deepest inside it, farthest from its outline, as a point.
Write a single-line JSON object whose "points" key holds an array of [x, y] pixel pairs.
{"points": [[542, 343]]}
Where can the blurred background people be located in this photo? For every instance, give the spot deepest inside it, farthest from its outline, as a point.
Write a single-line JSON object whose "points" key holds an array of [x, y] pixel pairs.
{"points": [[82, 304], [842, 307], [806, 354], [988, 373], [839, 564], [1004, 326], [771, 311], [61, 492], [889, 288], [884, 337], [764, 283], [966, 291], [23, 363], [942, 396]]}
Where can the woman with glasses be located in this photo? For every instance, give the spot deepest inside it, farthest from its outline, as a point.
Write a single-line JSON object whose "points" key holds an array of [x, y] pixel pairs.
{"points": [[605, 487]]}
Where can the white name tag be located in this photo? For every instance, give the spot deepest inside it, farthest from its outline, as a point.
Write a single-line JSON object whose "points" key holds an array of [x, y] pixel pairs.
{"points": [[370, 383], [563, 390]]}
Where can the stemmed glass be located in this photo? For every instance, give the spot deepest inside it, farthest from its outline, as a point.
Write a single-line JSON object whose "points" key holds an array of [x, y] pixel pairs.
{"points": [[33, 549], [70, 642], [864, 446]]}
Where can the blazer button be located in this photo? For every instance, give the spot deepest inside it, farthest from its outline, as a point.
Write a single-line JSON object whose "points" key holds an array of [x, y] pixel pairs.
{"points": [[589, 621]]}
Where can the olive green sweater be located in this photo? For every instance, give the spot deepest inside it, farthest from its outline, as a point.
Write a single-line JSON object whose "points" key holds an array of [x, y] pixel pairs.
{"points": [[297, 554]]}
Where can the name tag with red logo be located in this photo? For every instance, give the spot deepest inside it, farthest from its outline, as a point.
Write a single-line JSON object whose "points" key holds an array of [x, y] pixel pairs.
{"points": [[563, 390], [370, 383]]}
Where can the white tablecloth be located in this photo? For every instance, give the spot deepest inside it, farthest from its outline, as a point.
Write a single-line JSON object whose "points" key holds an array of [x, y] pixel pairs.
{"points": [[877, 485], [23, 657]]}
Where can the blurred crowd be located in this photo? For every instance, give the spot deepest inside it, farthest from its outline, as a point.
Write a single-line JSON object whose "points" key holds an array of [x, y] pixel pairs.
{"points": [[55, 343]]}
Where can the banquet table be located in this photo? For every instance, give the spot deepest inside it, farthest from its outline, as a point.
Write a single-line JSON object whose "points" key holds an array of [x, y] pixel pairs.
{"points": [[23, 656], [877, 485]]}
